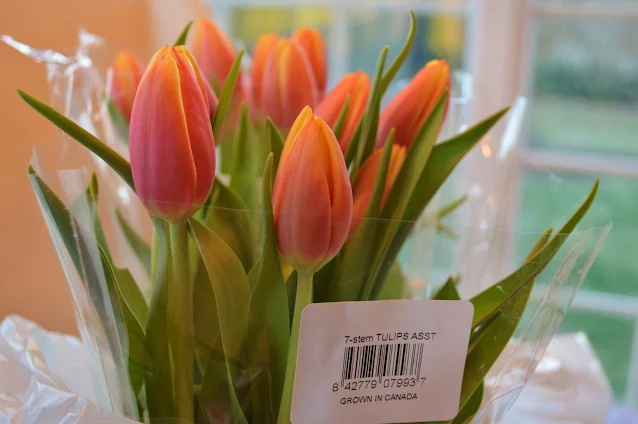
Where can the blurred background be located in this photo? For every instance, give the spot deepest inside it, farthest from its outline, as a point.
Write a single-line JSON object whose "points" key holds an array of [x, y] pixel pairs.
{"points": [[575, 60]]}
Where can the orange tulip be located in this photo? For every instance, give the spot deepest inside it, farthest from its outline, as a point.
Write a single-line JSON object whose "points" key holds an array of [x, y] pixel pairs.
{"points": [[311, 41], [126, 76], [214, 51], [357, 86], [288, 84], [312, 197], [211, 99], [407, 112], [366, 177], [264, 46], [170, 138]]}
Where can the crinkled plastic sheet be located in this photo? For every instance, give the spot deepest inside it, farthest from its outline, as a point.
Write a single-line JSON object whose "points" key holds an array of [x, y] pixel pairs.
{"points": [[478, 250], [43, 378]]}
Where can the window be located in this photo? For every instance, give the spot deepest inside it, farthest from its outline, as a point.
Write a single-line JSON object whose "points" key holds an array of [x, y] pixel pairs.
{"points": [[581, 76]]}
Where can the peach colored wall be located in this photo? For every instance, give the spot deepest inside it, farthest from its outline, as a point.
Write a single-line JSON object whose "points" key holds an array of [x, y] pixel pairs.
{"points": [[31, 280]]}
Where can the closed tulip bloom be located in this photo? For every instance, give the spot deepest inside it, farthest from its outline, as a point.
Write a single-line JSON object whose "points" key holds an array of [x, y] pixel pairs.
{"points": [[125, 78], [363, 187], [211, 99], [264, 46], [357, 86], [312, 197], [311, 41], [288, 84], [170, 138], [214, 51], [407, 112]]}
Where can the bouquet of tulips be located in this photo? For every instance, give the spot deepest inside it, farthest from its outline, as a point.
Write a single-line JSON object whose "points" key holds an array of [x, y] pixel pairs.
{"points": [[267, 194]]}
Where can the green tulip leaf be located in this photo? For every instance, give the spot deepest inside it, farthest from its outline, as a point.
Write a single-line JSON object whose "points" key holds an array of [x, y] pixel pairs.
{"points": [[498, 314], [395, 285], [74, 238], [291, 290], [396, 64], [274, 141], [139, 247], [470, 409], [451, 207], [353, 147], [226, 217], [89, 200], [269, 330], [440, 164], [448, 291], [337, 129], [119, 121], [402, 190], [243, 174], [129, 302], [492, 299], [229, 219], [354, 260], [181, 40], [370, 120], [442, 161], [232, 298], [158, 382], [88, 140], [226, 98]]}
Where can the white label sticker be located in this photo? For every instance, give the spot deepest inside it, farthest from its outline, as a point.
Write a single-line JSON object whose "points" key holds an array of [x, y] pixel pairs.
{"points": [[393, 361]]}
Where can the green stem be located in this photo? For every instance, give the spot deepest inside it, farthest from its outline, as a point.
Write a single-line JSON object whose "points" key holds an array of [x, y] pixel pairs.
{"points": [[181, 342], [303, 299]]}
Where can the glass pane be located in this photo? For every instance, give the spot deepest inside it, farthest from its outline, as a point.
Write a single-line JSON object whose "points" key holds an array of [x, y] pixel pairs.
{"points": [[438, 37], [249, 22], [615, 270], [611, 338], [585, 93]]}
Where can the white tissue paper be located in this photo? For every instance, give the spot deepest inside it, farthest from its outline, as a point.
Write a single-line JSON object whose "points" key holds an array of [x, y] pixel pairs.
{"points": [[43, 378]]}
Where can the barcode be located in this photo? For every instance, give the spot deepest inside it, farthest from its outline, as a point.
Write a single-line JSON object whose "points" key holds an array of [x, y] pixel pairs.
{"points": [[382, 360]]}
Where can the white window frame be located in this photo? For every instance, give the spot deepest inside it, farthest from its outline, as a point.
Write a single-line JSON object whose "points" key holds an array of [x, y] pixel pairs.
{"points": [[499, 49]]}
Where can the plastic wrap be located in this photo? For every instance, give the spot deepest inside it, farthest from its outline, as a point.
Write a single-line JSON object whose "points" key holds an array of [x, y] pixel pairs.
{"points": [[475, 249], [43, 378]]}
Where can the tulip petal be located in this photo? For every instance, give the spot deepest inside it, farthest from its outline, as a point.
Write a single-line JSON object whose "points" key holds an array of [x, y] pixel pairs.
{"points": [[340, 191], [301, 203], [311, 42], [213, 50], [171, 139], [125, 78], [199, 131], [159, 93], [407, 112], [263, 48], [288, 84]]}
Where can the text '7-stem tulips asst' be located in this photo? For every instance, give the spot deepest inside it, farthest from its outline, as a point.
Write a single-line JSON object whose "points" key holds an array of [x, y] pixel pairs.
{"points": [[239, 250]]}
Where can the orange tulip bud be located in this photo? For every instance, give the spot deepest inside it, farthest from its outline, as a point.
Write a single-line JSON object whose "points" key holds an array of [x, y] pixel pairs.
{"points": [[311, 41], [211, 99], [407, 112], [312, 197], [125, 78], [214, 51], [170, 138], [366, 177], [357, 86], [264, 46], [288, 84]]}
